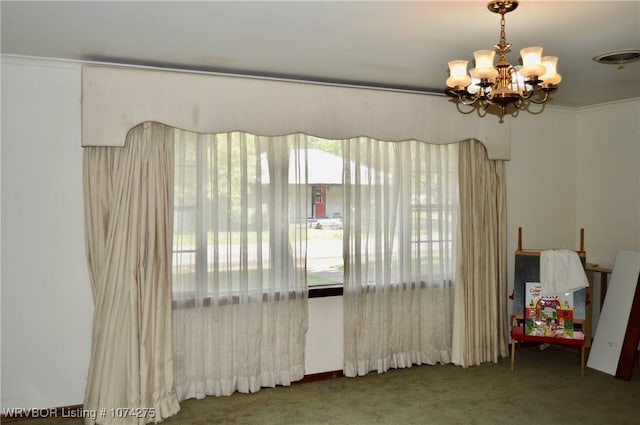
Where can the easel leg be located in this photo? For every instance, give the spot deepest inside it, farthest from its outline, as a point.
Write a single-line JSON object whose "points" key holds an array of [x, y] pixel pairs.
{"points": [[513, 354], [582, 361]]}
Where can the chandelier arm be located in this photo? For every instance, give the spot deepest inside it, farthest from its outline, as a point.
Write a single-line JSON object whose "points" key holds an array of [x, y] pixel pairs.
{"points": [[519, 104], [464, 112], [482, 112], [543, 100], [526, 94], [463, 96], [469, 99], [532, 112]]}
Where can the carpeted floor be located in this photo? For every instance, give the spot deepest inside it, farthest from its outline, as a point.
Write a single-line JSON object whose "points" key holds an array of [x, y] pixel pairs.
{"points": [[546, 388]]}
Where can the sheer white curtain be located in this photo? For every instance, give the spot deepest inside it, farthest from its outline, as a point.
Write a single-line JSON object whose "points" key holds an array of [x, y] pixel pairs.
{"points": [[400, 218], [239, 282]]}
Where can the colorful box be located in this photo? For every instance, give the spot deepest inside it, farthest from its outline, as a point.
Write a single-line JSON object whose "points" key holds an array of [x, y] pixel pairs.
{"points": [[547, 315]]}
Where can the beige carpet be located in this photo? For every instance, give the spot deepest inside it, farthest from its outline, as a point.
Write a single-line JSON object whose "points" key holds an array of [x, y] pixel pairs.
{"points": [[546, 388]]}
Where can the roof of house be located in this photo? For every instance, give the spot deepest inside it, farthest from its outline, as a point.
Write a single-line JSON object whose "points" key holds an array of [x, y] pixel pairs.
{"points": [[324, 168]]}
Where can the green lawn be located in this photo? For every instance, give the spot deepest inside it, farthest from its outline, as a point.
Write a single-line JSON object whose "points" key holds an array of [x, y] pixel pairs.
{"points": [[252, 237], [187, 280]]}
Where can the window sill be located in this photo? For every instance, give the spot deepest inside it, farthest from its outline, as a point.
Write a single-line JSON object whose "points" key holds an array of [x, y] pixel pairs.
{"points": [[313, 292], [325, 291]]}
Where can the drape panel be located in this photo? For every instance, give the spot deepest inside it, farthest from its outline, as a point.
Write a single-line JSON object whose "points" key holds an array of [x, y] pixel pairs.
{"points": [[128, 195], [481, 320], [400, 221], [240, 297]]}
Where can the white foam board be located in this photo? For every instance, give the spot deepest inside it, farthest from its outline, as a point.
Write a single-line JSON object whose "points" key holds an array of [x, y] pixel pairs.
{"points": [[612, 325]]}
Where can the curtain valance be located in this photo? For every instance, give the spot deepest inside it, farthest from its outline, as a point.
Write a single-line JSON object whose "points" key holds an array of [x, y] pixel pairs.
{"points": [[115, 99]]}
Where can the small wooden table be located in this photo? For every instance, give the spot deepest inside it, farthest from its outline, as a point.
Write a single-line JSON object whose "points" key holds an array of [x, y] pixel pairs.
{"points": [[517, 334]]}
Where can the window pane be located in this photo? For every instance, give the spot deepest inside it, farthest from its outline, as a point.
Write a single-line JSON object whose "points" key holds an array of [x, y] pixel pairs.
{"points": [[184, 215], [230, 198], [325, 263]]}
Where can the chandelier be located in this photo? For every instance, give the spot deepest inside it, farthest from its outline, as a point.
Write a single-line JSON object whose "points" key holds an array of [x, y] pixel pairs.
{"points": [[504, 88]]}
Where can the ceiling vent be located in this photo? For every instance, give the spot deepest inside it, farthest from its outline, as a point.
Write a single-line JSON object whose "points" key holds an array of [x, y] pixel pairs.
{"points": [[618, 57]]}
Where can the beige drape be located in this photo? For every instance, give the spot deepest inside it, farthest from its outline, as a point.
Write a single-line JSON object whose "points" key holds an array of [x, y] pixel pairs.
{"points": [[480, 312], [128, 194]]}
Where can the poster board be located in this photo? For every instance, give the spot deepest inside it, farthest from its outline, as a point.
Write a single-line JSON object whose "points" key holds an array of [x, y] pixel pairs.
{"points": [[614, 317], [545, 315]]}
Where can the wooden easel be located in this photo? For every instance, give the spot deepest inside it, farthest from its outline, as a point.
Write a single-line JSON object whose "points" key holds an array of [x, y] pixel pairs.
{"points": [[529, 271]]}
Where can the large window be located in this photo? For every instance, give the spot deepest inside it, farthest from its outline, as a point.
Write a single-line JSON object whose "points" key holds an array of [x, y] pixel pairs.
{"points": [[224, 220]]}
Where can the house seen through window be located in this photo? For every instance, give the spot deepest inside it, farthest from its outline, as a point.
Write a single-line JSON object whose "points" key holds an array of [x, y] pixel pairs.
{"points": [[325, 262]]}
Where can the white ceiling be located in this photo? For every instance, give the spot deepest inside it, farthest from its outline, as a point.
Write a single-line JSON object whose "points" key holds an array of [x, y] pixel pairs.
{"points": [[393, 44]]}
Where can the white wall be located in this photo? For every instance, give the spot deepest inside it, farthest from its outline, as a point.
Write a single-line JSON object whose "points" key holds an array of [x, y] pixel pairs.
{"points": [[46, 298], [541, 179], [325, 336], [608, 194], [541, 183], [335, 193], [608, 190]]}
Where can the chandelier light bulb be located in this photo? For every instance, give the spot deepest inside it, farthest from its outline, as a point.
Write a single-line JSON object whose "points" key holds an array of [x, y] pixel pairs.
{"points": [[532, 62], [458, 76], [551, 76], [518, 81], [484, 65], [474, 87]]}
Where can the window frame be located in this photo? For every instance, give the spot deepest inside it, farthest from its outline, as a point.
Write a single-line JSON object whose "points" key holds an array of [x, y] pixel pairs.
{"points": [[201, 248]]}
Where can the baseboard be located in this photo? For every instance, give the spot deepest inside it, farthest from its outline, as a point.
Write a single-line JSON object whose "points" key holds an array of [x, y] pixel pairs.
{"points": [[77, 411], [320, 376]]}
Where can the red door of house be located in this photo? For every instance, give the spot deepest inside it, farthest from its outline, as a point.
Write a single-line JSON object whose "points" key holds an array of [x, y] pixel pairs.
{"points": [[319, 203]]}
